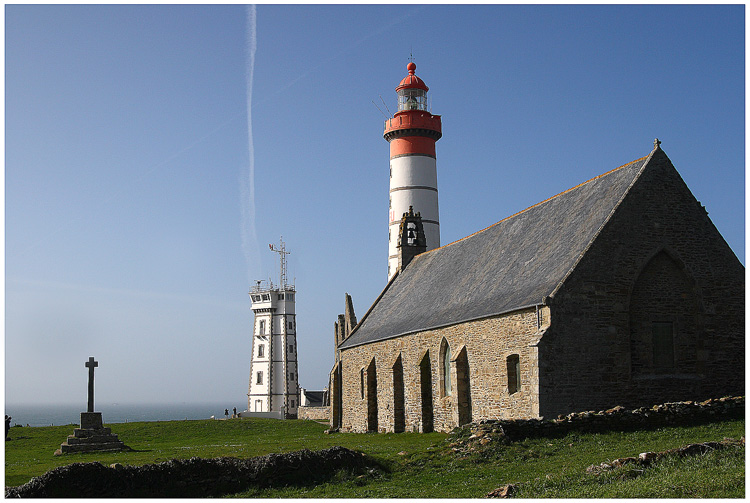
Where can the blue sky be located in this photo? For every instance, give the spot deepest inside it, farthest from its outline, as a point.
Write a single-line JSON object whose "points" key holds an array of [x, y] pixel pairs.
{"points": [[130, 231]]}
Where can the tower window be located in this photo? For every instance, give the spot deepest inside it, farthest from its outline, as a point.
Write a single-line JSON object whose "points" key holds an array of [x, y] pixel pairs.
{"points": [[262, 327], [259, 377], [261, 350], [290, 325], [291, 348], [291, 376], [513, 365]]}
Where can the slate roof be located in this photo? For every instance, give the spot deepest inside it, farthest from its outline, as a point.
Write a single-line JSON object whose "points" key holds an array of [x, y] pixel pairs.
{"points": [[508, 266]]}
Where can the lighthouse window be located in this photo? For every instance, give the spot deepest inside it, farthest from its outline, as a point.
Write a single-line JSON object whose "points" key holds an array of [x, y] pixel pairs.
{"points": [[266, 296], [291, 348], [290, 296], [262, 327], [259, 377], [281, 296], [291, 375], [261, 350]]}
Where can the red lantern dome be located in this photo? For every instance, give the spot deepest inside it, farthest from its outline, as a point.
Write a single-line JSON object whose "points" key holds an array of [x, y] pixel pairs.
{"points": [[411, 81]]}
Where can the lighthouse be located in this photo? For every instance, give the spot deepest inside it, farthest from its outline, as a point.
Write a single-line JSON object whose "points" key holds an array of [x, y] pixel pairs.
{"points": [[412, 133], [273, 364]]}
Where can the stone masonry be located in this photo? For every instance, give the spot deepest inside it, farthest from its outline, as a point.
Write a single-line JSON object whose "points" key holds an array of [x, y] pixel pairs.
{"points": [[92, 436], [488, 343]]}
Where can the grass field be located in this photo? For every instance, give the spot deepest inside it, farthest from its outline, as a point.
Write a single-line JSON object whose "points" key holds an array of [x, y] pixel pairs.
{"points": [[428, 469]]}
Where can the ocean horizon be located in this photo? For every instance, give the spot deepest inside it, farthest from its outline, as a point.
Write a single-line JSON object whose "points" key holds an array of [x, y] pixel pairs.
{"points": [[64, 414]]}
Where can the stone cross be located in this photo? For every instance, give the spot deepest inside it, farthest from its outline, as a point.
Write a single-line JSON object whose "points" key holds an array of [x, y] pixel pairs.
{"points": [[91, 364]]}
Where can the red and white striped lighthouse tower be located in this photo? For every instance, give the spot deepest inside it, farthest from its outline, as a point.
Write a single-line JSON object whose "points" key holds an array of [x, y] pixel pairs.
{"points": [[412, 133]]}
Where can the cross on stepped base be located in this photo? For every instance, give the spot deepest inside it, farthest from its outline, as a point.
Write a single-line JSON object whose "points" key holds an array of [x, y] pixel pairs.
{"points": [[92, 435]]}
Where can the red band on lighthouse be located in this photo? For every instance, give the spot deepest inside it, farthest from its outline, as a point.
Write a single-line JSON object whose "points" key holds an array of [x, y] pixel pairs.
{"points": [[410, 145]]}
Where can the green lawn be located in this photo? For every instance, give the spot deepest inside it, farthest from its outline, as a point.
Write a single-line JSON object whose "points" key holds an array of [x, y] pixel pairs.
{"points": [[429, 469]]}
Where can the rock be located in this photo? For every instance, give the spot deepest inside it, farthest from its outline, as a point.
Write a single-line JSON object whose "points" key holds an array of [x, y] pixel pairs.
{"points": [[624, 461], [506, 491], [402, 453], [647, 457], [116, 466]]}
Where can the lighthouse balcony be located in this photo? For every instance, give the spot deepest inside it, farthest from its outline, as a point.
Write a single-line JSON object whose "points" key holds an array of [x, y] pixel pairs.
{"points": [[426, 123]]}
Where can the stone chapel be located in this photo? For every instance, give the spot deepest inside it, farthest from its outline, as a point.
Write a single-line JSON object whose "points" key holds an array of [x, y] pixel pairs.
{"points": [[619, 291]]}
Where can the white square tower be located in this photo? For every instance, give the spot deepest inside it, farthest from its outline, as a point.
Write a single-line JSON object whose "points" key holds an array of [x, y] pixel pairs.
{"points": [[273, 364]]}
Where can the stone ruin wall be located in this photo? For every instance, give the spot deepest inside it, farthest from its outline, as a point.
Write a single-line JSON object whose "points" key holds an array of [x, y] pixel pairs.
{"points": [[314, 413], [488, 343]]}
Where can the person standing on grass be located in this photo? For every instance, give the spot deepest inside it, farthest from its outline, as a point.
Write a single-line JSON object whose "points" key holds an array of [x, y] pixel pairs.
{"points": [[7, 426], [226, 413]]}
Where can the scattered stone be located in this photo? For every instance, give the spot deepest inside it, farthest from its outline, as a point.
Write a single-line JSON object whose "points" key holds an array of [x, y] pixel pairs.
{"points": [[506, 491], [402, 453], [647, 458]]}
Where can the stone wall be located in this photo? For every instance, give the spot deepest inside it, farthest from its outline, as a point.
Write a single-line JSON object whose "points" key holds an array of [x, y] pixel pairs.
{"points": [[314, 413], [475, 436], [478, 350], [658, 260], [190, 478]]}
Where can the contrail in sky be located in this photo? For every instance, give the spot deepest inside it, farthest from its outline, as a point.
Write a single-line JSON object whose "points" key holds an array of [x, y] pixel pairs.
{"points": [[247, 184]]}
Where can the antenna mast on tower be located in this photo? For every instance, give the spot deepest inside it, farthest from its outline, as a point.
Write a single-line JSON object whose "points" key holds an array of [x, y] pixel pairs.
{"points": [[281, 250]]}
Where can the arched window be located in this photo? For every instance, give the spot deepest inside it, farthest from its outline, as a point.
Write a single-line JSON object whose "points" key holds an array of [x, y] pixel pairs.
{"points": [[446, 386], [513, 365], [362, 383], [664, 319]]}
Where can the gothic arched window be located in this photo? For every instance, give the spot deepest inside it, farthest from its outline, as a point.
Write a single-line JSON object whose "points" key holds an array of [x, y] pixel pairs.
{"points": [[664, 319], [446, 386]]}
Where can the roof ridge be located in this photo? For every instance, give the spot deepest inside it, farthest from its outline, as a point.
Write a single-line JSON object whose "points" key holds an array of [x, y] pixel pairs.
{"points": [[535, 205]]}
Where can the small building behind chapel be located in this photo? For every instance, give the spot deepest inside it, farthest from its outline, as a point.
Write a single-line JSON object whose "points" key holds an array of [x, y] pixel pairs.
{"points": [[619, 291]]}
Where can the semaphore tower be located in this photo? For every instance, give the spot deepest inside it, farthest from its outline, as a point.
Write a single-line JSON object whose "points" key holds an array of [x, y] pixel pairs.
{"points": [[273, 365], [412, 133]]}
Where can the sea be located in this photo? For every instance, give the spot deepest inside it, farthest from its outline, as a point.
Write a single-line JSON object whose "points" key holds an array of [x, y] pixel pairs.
{"points": [[58, 415]]}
